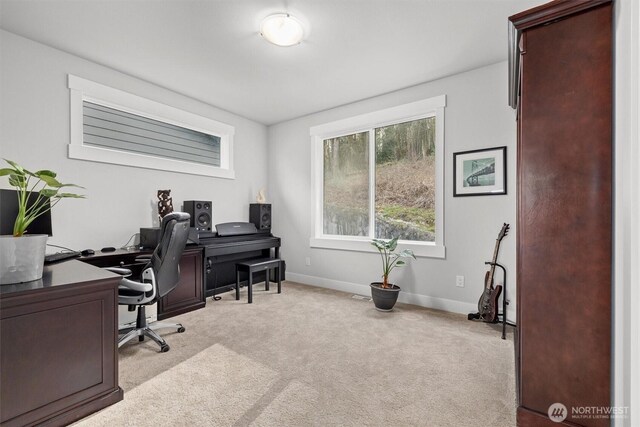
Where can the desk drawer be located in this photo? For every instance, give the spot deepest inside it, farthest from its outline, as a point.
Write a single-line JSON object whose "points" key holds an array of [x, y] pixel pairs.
{"points": [[189, 294]]}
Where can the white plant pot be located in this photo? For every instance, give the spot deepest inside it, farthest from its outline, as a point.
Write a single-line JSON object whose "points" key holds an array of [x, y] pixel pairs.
{"points": [[22, 258]]}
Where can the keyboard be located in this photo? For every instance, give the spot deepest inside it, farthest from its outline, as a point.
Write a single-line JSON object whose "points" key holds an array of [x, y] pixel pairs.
{"points": [[60, 256]]}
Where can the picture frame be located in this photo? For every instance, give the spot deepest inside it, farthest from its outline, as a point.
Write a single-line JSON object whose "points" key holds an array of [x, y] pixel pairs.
{"points": [[480, 172]]}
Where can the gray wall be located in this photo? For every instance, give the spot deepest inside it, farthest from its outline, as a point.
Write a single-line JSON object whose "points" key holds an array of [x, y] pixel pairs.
{"points": [[476, 116], [34, 124]]}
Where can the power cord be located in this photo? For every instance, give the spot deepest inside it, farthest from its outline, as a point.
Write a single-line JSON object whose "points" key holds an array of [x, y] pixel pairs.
{"points": [[61, 247], [127, 243]]}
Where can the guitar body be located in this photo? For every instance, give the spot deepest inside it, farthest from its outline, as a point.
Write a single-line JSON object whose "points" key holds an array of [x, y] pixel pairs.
{"points": [[488, 303]]}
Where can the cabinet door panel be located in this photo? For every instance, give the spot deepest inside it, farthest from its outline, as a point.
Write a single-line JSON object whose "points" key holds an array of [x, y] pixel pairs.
{"points": [[189, 294], [564, 214]]}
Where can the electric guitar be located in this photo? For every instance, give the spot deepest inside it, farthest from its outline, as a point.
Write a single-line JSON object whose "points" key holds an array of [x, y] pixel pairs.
{"points": [[488, 303]]}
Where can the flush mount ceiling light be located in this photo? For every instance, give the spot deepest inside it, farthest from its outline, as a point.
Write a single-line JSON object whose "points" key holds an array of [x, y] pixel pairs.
{"points": [[282, 29]]}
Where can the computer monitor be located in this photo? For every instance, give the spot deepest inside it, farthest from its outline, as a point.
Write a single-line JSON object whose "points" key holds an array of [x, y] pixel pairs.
{"points": [[9, 212]]}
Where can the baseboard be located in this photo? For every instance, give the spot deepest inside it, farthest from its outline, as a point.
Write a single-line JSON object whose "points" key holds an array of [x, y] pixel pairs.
{"points": [[405, 297]]}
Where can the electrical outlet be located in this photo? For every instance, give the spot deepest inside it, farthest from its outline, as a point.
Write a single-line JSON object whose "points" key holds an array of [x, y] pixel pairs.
{"points": [[307, 261], [460, 281]]}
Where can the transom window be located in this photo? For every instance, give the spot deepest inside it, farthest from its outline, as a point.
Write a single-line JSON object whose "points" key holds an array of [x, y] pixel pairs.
{"points": [[112, 126], [380, 175], [114, 129]]}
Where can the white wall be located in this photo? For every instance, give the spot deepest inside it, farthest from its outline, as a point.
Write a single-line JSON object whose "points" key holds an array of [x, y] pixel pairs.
{"points": [[34, 131], [476, 116]]}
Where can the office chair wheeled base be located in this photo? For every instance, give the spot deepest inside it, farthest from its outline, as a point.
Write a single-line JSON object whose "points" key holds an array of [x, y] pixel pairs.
{"points": [[143, 329]]}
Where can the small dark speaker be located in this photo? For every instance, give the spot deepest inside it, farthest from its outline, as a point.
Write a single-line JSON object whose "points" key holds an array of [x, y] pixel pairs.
{"points": [[201, 214], [260, 215]]}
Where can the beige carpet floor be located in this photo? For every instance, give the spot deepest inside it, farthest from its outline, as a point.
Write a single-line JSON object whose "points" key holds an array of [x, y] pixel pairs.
{"points": [[317, 357]]}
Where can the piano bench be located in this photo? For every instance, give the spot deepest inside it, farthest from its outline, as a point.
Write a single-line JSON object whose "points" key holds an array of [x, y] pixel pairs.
{"points": [[254, 265]]}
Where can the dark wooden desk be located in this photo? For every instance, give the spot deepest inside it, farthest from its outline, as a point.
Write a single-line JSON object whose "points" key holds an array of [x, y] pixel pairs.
{"points": [[187, 296], [58, 352]]}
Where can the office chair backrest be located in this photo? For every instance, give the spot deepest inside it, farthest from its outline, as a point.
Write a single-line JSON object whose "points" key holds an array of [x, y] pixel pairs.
{"points": [[166, 256]]}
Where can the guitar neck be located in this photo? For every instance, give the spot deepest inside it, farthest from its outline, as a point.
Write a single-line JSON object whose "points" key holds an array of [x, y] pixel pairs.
{"points": [[493, 264]]}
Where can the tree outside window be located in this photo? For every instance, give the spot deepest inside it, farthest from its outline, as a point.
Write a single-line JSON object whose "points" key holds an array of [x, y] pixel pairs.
{"points": [[402, 197]]}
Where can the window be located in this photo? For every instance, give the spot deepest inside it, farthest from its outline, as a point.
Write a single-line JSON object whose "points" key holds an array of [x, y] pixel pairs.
{"points": [[346, 185], [381, 175], [111, 126]]}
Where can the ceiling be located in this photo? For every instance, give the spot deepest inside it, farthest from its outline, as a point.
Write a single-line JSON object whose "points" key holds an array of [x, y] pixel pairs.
{"points": [[211, 50]]}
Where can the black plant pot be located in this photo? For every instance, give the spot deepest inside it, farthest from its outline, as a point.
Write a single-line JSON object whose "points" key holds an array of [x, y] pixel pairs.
{"points": [[384, 298]]}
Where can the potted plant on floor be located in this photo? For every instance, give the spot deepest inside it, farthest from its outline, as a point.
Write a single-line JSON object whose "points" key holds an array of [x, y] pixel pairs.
{"points": [[22, 254], [385, 294]]}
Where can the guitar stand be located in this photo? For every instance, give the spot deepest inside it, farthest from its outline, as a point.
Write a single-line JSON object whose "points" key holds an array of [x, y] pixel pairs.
{"points": [[505, 301]]}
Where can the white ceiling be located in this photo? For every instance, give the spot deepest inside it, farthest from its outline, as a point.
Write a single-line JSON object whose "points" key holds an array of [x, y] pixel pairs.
{"points": [[211, 50]]}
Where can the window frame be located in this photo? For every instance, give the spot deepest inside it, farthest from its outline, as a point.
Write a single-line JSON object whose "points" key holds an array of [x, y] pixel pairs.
{"points": [[431, 107], [85, 90]]}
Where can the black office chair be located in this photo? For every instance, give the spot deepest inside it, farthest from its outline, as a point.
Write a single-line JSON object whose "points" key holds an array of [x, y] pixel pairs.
{"points": [[159, 277]]}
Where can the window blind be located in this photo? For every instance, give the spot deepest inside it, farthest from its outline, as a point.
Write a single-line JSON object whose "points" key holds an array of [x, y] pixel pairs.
{"points": [[118, 130]]}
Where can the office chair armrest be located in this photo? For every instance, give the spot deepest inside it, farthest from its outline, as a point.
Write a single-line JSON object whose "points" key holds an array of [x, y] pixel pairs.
{"points": [[135, 286], [143, 258], [124, 272]]}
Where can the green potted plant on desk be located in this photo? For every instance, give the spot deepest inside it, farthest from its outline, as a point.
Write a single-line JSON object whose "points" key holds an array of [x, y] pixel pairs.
{"points": [[22, 254], [385, 294]]}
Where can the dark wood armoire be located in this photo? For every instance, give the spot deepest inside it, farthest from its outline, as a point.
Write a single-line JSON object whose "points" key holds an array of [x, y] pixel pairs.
{"points": [[561, 85]]}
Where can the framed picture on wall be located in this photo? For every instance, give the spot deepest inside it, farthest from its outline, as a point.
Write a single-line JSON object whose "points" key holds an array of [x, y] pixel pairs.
{"points": [[480, 172]]}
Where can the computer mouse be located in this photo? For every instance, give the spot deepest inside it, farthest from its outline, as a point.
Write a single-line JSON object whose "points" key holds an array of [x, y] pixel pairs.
{"points": [[88, 252], [108, 249]]}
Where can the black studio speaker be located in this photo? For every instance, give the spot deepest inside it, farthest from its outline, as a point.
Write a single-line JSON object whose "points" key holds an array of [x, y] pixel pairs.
{"points": [[201, 214], [260, 215]]}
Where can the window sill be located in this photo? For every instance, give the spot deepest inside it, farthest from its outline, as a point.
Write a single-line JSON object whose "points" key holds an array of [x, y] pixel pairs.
{"points": [[103, 155], [423, 250]]}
